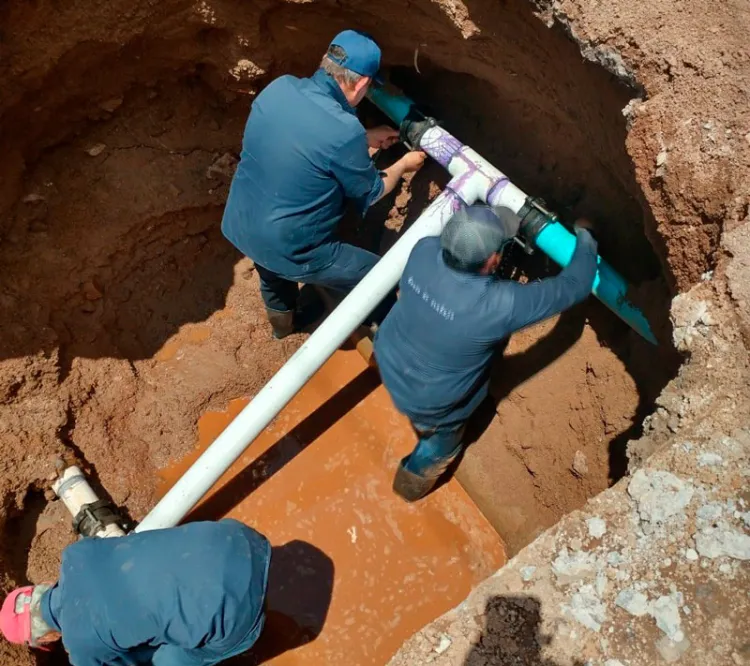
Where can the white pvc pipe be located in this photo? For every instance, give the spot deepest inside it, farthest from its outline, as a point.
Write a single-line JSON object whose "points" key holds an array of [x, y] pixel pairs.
{"points": [[473, 174], [308, 359], [74, 490]]}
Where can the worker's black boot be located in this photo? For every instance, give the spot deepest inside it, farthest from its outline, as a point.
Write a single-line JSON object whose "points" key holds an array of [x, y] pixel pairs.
{"points": [[282, 323], [412, 486]]}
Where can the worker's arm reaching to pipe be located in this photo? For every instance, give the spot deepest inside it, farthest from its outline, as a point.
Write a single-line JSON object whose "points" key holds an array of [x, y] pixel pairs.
{"points": [[535, 301], [382, 138], [410, 162]]}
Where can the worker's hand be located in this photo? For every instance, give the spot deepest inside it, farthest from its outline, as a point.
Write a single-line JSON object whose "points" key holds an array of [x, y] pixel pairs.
{"points": [[413, 161], [382, 137], [584, 224]]}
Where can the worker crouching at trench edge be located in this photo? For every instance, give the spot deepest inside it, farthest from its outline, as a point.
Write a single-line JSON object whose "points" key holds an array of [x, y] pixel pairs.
{"points": [[304, 154], [185, 596], [435, 348]]}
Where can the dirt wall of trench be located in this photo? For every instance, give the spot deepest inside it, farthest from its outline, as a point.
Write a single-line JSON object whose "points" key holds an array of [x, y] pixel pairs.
{"points": [[125, 314]]}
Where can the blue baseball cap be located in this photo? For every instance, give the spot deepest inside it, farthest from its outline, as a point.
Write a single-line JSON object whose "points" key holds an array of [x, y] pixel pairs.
{"points": [[361, 53]]}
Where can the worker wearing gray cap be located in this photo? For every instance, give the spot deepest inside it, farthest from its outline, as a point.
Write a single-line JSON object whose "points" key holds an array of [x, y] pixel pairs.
{"points": [[435, 347]]}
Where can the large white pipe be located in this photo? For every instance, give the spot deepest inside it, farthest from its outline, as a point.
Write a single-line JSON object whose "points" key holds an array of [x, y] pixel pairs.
{"points": [[308, 359], [74, 490]]}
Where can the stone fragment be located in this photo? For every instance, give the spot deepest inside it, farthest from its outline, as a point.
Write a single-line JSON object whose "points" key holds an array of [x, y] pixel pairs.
{"points": [[615, 559], [569, 568], [527, 573], [96, 149], [580, 466], [597, 527], [587, 608], [112, 104], [666, 611], [91, 291], [632, 602], [722, 541], [710, 459], [659, 495], [709, 512], [223, 168], [691, 555], [671, 651], [444, 644]]}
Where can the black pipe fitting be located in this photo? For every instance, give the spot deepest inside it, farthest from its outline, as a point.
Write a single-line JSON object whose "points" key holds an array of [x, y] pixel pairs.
{"points": [[534, 217], [413, 128], [94, 517]]}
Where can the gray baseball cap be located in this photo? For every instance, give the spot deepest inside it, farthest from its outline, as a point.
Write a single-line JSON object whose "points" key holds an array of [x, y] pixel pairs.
{"points": [[476, 232]]}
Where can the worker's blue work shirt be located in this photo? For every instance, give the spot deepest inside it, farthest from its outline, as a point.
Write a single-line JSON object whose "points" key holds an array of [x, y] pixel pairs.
{"points": [[188, 595], [303, 154], [435, 347]]}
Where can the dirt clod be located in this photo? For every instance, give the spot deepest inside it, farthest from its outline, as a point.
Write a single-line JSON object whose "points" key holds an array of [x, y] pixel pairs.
{"points": [[96, 150]]}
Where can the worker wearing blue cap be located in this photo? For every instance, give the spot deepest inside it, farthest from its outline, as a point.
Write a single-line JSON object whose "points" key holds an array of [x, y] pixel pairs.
{"points": [[304, 154], [435, 347]]}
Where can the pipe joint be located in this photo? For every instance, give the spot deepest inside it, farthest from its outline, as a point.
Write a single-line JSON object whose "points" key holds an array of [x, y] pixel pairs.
{"points": [[534, 218], [94, 518], [413, 128]]}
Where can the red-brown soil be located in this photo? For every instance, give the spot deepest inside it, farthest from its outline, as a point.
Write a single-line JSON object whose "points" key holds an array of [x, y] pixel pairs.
{"points": [[126, 315]]}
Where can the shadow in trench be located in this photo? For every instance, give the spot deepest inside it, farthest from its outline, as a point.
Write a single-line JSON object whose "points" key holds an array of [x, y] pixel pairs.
{"points": [[300, 587], [509, 372], [285, 449], [512, 634], [23, 528]]}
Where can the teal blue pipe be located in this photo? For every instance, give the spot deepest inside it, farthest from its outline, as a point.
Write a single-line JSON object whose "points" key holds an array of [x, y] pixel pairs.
{"points": [[554, 239], [609, 286], [394, 105]]}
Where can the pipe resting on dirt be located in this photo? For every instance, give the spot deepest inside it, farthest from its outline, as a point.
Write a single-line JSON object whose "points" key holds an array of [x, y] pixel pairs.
{"points": [[539, 227], [309, 358]]}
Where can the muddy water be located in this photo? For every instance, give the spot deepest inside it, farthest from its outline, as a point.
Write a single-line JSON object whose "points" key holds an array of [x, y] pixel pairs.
{"points": [[357, 570]]}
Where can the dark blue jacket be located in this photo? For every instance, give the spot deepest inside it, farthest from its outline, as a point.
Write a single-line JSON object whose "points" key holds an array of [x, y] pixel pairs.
{"points": [[303, 154], [199, 587], [435, 347]]}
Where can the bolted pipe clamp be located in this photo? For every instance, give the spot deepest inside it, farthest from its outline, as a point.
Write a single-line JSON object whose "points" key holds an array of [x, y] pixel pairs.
{"points": [[94, 517], [534, 217], [413, 128]]}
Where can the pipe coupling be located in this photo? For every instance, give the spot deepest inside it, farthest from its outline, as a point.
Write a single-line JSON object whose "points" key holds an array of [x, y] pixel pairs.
{"points": [[96, 517], [534, 217], [413, 128]]}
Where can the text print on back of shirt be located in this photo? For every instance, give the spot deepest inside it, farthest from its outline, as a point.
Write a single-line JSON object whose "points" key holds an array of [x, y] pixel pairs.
{"points": [[440, 308]]}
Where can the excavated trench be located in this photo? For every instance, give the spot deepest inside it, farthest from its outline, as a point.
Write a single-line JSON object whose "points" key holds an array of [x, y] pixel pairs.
{"points": [[126, 315]]}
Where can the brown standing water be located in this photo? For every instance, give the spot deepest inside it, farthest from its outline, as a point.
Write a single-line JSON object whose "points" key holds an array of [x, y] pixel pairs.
{"points": [[358, 570]]}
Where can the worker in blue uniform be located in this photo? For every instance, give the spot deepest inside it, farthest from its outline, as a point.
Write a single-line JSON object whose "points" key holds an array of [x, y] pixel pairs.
{"points": [[435, 347], [185, 596], [305, 154]]}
